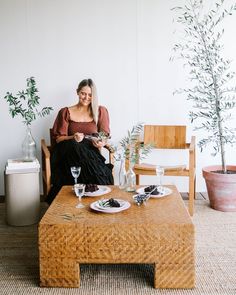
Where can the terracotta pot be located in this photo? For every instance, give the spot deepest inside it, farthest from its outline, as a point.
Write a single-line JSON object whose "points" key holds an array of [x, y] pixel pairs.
{"points": [[221, 188]]}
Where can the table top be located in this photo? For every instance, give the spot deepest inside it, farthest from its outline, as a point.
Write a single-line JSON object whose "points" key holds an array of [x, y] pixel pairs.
{"points": [[169, 210]]}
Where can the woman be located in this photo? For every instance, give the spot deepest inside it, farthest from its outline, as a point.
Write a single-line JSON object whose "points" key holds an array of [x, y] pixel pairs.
{"points": [[73, 149]]}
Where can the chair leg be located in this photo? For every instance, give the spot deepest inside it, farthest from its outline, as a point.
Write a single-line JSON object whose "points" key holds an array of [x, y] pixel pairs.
{"points": [[191, 194], [137, 179]]}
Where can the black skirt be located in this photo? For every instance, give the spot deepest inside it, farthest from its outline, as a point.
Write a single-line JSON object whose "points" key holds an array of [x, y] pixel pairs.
{"points": [[70, 153]]}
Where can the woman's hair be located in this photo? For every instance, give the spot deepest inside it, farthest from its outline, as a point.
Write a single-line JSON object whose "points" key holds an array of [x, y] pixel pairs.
{"points": [[94, 103]]}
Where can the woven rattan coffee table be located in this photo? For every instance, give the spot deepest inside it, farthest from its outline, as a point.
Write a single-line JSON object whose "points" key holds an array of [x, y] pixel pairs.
{"points": [[160, 233]]}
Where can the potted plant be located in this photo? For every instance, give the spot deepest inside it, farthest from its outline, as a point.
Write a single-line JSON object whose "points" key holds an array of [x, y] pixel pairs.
{"points": [[25, 104], [211, 93]]}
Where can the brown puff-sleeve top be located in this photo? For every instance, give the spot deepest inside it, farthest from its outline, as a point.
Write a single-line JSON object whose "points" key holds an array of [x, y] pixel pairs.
{"points": [[64, 126]]}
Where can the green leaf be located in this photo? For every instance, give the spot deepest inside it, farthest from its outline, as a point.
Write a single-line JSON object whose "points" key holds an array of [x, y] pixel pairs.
{"points": [[202, 53], [24, 103]]}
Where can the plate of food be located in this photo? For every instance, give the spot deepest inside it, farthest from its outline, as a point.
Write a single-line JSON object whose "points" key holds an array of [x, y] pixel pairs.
{"points": [[94, 190], [110, 205], [155, 190]]}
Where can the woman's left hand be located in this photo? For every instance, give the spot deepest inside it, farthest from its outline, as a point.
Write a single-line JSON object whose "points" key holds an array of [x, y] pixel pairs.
{"points": [[98, 143], [78, 136]]}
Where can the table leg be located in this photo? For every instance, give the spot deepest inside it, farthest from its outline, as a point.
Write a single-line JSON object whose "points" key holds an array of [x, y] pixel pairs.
{"points": [[174, 275], [59, 272]]}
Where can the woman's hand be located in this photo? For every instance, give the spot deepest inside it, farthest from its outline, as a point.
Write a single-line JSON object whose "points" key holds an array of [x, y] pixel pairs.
{"points": [[78, 136], [99, 143]]}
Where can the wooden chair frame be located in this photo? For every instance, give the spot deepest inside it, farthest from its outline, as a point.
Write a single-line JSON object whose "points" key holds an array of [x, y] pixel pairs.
{"points": [[163, 140]]}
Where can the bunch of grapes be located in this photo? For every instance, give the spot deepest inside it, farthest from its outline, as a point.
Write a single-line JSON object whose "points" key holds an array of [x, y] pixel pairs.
{"points": [[140, 199]]}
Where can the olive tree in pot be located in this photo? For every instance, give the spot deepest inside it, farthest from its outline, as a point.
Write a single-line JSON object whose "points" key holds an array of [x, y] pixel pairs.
{"points": [[212, 93]]}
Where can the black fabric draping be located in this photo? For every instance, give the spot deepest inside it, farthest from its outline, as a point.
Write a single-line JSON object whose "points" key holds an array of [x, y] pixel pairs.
{"points": [[70, 153]]}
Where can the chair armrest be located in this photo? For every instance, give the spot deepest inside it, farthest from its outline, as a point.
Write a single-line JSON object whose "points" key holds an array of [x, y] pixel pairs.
{"points": [[46, 167], [111, 153], [109, 148], [45, 149]]}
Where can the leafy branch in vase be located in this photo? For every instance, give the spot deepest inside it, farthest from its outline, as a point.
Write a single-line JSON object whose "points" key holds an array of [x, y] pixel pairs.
{"points": [[132, 149], [25, 103]]}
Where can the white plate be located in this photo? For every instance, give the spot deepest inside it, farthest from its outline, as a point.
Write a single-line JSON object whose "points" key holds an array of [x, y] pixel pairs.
{"points": [[121, 202], [102, 190], [167, 191], [124, 205]]}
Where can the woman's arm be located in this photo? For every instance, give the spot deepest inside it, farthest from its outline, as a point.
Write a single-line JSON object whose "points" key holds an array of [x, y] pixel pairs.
{"points": [[77, 136], [64, 137], [103, 125], [103, 120]]}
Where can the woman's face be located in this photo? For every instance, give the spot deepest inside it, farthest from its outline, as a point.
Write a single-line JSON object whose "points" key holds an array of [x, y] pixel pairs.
{"points": [[85, 96]]}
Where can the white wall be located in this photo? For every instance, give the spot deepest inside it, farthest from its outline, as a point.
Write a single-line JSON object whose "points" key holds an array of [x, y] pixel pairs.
{"points": [[123, 45]]}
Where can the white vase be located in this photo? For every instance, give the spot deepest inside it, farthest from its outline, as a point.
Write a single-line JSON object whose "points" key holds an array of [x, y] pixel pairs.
{"points": [[29, 146]]}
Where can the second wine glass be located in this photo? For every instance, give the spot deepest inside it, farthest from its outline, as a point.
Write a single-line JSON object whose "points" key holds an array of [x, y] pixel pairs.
{"points": [[160, 172], [79, 191], [75, 171]]}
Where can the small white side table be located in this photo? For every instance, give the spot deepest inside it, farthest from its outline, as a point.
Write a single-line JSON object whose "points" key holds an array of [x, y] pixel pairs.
{"points": [[22, 198]]}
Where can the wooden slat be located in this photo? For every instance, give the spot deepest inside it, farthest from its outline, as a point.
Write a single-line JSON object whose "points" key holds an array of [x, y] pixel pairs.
{"points": [[184, 172], [165, 136], [152, 167]]}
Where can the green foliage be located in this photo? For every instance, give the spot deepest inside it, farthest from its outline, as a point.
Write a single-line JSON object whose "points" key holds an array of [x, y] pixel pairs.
{"points": [[209, 71], [25, 103], [132, 148]]}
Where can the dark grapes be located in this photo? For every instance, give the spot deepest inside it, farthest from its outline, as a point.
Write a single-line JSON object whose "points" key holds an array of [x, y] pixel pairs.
{"points": [[140, 199]]}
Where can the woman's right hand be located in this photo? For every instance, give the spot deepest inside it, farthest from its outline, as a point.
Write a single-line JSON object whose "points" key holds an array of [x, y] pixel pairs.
{"points": [[78, 136]]}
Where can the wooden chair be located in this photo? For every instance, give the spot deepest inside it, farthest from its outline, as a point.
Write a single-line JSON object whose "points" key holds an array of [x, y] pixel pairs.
{"points": [[46, 167], [171, 137]]}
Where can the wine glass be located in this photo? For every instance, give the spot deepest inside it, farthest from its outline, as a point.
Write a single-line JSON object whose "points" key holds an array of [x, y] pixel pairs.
{"points": [[75, 171], [160, 172], [79, 189]]}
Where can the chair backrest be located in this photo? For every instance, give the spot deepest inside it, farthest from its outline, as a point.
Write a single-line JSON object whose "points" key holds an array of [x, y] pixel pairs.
{"points": [[165, 136], [52, 140]]}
